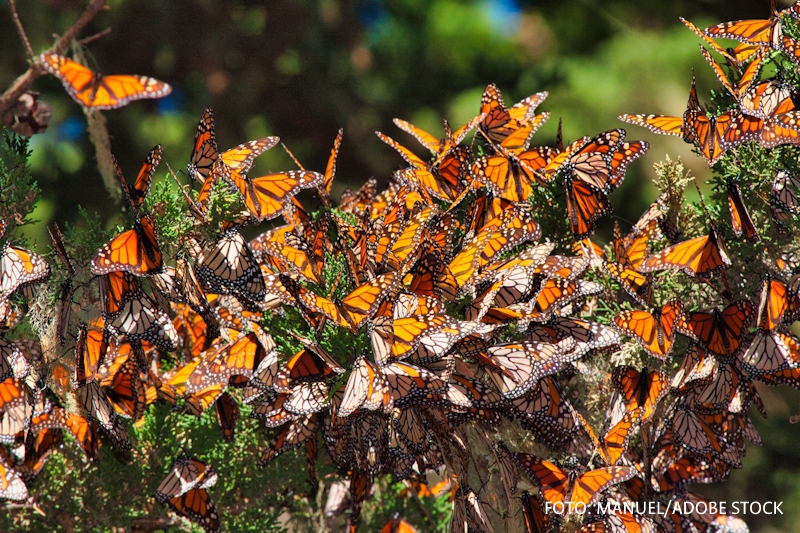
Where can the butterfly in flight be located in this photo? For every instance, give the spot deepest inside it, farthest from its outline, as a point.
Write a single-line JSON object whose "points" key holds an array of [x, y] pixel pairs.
{"points": [[96, 91]]}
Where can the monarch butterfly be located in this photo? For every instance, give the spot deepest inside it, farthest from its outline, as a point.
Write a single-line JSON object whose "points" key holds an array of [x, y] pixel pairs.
{"points": [[188, 284], [38, 447], [721, 332], [783, 128], [363, 302], [59, 248], [696, 368], [204, 150], [726, 390], [406, 243], [308, 365], [783, 201], [640, 388], [271, 409], [185, 474], [12, 396], [615, 441], [427, 336], [762, 32], [20, 268], [366, 389], [67, 292], [330, 170], [397, 525], [293, 434], [561, 487], [419, 175], [240, 358], [83, 431], [127, 392], [536, 520], [196, 403], [135, 251], [469, 393], [133, 314], [713, 135], [196, 505], [586, 335], [468, 512], [261, 380], [498, 123], [264, 196], [770, 353], [748, 77], [546, 411], [11, 485], [740, 218], [693, 469], [356, 202], [638, 286], [524, 365], [13, 362], [768, 99], [227, 415], [409, 382], [591, 173], [511, 227], [509, 287], [99, 409], [731, 59], [440, 147], [661, 124], [701, 257], [94, 90], [779, 303], [550, 299], [307, 398], [511, 173], [360, 490], [231, 268], [693, 433], [137, 192], [313, 306], [433, 278]]}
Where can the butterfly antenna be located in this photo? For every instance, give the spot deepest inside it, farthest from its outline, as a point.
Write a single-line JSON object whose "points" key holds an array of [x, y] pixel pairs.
{"points": [[296, 162]]}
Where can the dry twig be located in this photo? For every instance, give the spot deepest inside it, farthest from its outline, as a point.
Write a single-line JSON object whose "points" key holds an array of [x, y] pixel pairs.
{"points": [[23, 82]]}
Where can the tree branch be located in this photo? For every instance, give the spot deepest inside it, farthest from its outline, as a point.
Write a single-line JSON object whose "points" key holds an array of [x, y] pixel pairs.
{"points": [[87, 40], [21, 30], [21, 84], [146, 525]]}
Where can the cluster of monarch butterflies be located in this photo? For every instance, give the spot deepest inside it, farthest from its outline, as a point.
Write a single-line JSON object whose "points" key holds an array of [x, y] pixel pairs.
{"points": [[762, 111], [470, 316]]}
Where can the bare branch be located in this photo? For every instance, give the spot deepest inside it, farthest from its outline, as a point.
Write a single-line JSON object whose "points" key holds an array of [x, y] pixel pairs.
{"points": [[21, 84], [146, 525], [91, 38], [21, 30]]}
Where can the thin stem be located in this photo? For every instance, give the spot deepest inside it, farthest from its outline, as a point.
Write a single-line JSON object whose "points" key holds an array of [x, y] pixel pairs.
{"points": [[91, 38], [418, 501], [21, 30], [21, 84]]}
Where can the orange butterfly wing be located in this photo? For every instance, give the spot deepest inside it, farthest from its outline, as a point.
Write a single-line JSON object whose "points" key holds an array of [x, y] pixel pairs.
{"points": [[135, 251], [96, 91]]}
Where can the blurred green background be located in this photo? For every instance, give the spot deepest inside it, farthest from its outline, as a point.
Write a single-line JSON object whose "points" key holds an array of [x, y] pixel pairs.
{"points": [[301, 69]]}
